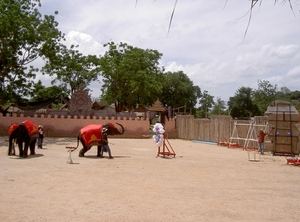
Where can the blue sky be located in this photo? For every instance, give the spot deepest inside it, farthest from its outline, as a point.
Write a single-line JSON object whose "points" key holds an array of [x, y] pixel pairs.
{"points": [[206, 39]]}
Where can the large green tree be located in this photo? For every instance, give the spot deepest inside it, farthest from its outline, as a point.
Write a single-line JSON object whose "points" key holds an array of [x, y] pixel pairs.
{"points": [[241, 104], [179, 90], [24, 36], [72, 69], [130, 75], [264, 95]]}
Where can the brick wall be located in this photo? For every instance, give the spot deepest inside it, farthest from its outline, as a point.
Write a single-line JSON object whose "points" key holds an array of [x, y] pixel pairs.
{"points": [[67, 126]]}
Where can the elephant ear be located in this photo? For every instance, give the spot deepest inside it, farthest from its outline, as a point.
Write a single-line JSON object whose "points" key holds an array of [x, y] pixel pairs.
{"points": [[12, 128]]}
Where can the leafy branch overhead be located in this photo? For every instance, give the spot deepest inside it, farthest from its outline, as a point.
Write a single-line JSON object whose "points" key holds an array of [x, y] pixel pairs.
{"points": [[25, 36]]}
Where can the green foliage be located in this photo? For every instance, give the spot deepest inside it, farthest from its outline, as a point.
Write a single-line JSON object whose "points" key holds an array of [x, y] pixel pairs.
{"points": [[241, 104], [219, 108], [71, 69], [264, 95], [130, 75], [292, 97], [179, 90], [206, 103], [24, 37], [41, 92], [295, 95], [248, 102]]}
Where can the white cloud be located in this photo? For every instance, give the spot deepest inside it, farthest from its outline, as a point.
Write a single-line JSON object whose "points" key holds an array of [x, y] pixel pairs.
{"points": [[206, 39], [87, 44], [294, 73]]}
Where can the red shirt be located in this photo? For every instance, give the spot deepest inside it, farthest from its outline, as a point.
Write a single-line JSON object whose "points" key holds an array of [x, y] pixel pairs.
{"points": [[261, 137]]}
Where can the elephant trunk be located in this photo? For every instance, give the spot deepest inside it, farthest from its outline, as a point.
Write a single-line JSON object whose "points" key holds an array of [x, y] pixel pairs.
{"points": [[122, 128]]}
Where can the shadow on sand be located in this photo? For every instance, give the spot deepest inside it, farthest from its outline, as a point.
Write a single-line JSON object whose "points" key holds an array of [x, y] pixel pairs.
{"points": [[106, 157], [16, 157]]}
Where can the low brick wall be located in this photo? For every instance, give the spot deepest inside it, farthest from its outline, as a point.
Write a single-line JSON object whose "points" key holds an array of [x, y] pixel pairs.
{"points": [[61, 126]]}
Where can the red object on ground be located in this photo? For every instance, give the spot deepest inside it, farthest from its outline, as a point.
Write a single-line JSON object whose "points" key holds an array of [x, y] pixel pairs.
{"points": [[167, 149], [292, 160], [234, 145]]}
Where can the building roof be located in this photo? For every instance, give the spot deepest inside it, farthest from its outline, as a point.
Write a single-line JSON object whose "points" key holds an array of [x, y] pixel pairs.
{"points": [[141, 108], [157, 107]]}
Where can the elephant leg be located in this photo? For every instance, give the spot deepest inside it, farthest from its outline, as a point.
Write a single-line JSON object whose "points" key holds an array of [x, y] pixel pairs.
{"points": [[11, 147], [13, 150], [98, 151], [32, 147], [20, 146], [83, 151], [25, 152]]}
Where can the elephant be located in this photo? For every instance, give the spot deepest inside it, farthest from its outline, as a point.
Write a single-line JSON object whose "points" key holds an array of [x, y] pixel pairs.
{"points": [[26, 132], [91, 135]]}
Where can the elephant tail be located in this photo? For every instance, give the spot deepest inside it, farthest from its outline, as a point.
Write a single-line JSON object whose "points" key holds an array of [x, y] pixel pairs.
{"points": [[73, 148], [77, 141]]}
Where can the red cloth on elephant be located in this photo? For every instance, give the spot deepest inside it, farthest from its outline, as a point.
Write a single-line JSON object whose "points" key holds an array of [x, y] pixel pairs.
{"points": [[32, 129], [91, 134], [12, 128]]}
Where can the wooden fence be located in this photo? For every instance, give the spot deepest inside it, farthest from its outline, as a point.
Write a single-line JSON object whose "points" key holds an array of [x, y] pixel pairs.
{"points": [[217, 128]]}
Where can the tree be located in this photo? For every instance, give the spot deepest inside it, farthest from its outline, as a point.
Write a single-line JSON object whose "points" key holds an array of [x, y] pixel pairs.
{"points": [[72, 69], [41, 92], [24, 37], [293, 97], [264, 95], [179, 90], [206, 102], [130, 75], [241, 105], [219, 107]]}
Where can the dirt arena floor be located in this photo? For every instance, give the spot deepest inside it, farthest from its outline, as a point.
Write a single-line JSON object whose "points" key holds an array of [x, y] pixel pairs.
{"points": [[202, 183]]}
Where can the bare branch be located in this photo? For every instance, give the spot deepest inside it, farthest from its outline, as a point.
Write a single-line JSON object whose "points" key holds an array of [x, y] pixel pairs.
{"points": [[253, 3], [172, 16], [225, 4]]}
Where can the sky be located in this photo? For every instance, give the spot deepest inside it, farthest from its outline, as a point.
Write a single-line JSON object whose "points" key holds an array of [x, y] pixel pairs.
{"points": [[206, 39]]}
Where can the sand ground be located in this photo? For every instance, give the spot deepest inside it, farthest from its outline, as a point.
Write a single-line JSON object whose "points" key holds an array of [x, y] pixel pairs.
{"points": [[202, 183]]}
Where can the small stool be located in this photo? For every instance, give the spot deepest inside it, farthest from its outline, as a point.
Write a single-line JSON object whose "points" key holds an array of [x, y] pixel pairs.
{"points": [[254, 156], [70, 150]]}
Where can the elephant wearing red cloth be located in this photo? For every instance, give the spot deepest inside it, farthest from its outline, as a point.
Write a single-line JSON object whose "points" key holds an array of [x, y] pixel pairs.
{"points": [[91, 135], [26, 132]]}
